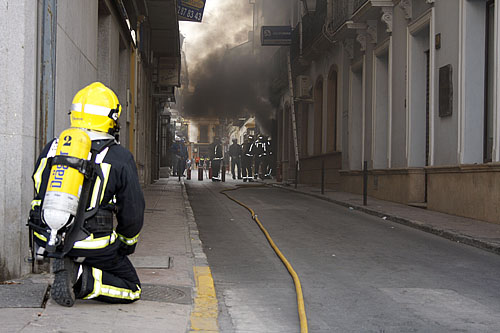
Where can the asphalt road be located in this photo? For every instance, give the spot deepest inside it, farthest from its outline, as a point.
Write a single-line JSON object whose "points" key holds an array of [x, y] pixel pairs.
{"points": [[359, 273]]}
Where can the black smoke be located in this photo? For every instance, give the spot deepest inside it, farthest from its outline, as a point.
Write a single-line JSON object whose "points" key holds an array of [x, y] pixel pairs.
{"points": [[230, 84]]}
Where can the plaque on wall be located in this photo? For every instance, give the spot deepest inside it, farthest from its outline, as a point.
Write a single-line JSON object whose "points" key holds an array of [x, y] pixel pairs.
{"points": [[445, 91]]}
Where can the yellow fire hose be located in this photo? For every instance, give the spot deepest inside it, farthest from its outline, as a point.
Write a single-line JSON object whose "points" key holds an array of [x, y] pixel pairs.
{"points": [[296, 281]]}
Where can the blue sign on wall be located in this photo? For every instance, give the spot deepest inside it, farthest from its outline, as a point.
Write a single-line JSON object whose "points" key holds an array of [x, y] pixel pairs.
{"points": [[276, 35], [190, 10]]}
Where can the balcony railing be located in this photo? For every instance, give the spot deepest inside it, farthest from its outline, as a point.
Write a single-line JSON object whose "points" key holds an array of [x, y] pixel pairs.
{"points": [[341, 13], [357, 4], [312, 23]]}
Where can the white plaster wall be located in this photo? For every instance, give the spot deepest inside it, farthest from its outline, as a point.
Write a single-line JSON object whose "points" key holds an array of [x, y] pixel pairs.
{"points": [[472, 126], [446, 128], [355, 124], [398, 134], [108, 52], [344, 107], [18, 59], [76, 58], [419, 43], [381, 109], [367, 111]]}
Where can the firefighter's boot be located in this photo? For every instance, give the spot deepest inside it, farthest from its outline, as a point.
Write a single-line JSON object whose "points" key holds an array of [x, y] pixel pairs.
{"points": [[65, 275]]}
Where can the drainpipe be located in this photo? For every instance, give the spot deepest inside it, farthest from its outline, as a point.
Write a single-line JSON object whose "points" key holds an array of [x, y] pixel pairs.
{"points": [[48, 71], [301, 13], [292, 109]]}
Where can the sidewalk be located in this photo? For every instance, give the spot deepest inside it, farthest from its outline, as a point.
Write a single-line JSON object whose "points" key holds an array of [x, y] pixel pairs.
{"points": [[472, 232], [177, 286]]}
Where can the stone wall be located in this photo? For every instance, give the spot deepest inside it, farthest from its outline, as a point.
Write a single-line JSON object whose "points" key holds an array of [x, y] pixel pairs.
{"points": [[467, 190], [405, 186]]}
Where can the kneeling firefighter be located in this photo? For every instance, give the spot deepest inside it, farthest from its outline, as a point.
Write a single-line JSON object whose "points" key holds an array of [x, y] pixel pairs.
{"points": [[81, 179]]}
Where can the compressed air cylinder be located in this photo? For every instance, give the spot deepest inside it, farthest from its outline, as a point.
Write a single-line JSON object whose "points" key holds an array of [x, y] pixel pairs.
{"points": [[65, 183]]}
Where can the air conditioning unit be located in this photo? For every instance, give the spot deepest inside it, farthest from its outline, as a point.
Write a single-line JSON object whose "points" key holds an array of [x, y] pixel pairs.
{"points": [[303, 87]]}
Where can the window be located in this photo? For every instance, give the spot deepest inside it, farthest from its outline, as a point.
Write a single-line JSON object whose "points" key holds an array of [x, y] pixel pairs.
{"points": [[203, 134]]}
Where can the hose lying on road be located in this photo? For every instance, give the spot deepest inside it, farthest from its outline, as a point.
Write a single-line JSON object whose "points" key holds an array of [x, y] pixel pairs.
{"points": [[296, 281]]}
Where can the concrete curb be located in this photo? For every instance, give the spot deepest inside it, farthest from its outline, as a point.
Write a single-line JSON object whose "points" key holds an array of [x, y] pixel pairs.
{"points": [[200, 258], [204, 315], [453, 235]]}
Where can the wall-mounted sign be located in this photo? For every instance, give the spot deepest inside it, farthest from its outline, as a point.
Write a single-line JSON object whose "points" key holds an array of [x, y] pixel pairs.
{"points": [[276, 35], [168, 72], [190, 10]]}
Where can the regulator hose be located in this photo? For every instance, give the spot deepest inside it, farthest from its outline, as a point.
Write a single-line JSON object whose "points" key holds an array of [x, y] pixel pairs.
{"points": [[295, 277]]}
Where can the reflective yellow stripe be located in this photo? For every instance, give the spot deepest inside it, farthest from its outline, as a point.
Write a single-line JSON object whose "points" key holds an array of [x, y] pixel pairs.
{"points": [[35, 203], [101, 289], [97, 274], [91, 243], [129, 241], [121, 293], [97, 110], [37, 176], [42, 237], [106, 168]]}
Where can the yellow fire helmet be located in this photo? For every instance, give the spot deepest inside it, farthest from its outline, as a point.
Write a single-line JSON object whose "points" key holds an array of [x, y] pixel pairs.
{"points": [[96, 107]]}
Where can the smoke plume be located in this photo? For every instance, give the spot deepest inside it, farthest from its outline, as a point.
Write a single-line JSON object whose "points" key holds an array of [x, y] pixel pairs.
{"points": [[225, 78], [230, 84]]}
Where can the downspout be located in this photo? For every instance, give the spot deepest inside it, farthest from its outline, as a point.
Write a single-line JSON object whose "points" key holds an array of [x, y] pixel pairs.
{"points": [[301, 38], [48, 71], [292, 109]]}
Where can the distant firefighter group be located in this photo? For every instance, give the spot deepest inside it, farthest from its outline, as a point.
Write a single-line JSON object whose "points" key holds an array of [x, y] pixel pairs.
{"points": [[249, 161], [253, 155]]}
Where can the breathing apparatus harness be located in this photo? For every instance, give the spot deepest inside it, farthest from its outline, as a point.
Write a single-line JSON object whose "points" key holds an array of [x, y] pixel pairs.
{"points": [[86, 222]]}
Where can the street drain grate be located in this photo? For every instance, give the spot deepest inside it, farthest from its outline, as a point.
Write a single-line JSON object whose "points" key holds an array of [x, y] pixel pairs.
{"points": [[166, 294], [24, 294]]}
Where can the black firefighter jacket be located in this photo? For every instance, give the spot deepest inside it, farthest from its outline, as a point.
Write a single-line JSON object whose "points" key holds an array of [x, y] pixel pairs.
{"points": [[122, 194]]}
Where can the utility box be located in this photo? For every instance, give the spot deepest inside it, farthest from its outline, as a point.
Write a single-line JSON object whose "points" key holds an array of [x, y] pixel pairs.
{"points": [[303, 87]]}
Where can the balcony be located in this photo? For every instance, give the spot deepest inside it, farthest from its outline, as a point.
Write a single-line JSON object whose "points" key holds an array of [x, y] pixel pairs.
{"points": [[341, 13], [357, 4], [312, 24], [312, 28]]}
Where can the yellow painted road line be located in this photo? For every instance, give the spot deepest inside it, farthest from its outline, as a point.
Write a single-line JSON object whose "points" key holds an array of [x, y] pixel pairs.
{"points": [[205, 313]]}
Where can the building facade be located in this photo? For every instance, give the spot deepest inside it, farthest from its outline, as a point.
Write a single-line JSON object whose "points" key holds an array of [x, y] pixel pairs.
{"points": [[408, 86], [51, 50]]}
